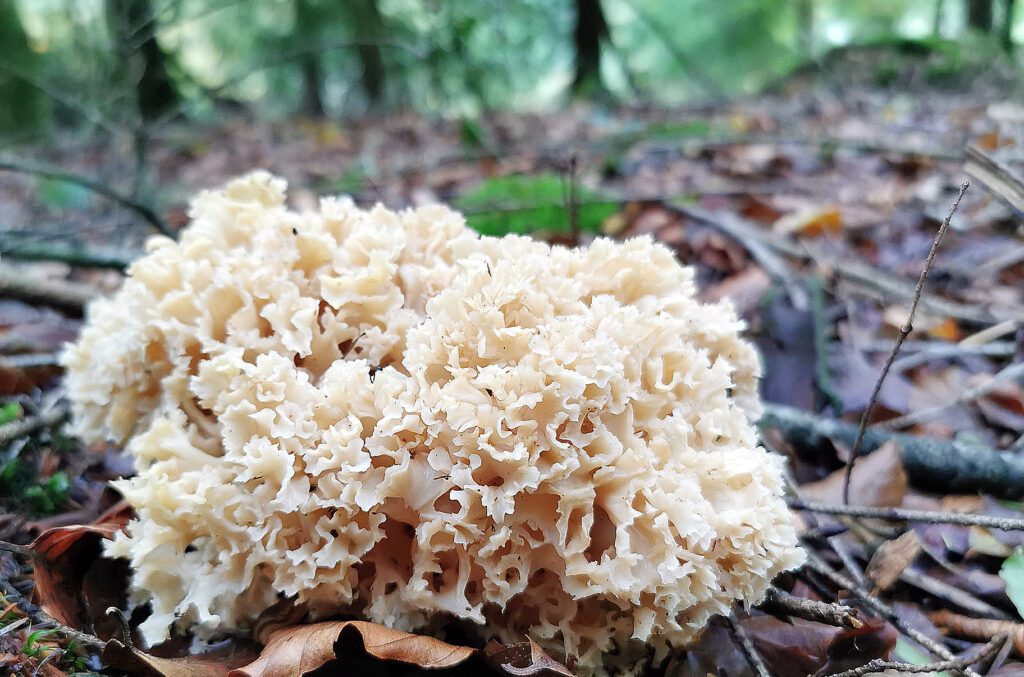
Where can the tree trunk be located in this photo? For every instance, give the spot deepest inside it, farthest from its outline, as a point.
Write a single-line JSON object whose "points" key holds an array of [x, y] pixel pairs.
{"points": [[1006, 34], [591, 29], [308, 31], [369, 30], [980, 15], [136, 24], [805, 18]]}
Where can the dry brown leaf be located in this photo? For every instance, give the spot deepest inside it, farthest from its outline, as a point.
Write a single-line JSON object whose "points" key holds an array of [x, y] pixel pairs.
{"points": [[891, 558], [139, 664], [67, 559], [878, 480], [294, 651]]}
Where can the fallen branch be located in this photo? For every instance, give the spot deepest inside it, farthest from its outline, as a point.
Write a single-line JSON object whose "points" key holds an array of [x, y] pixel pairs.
{"points": [[948, 466], [781, 603], [1011, 372], [60, 294], [979, 628], [146, 212], [748, 648], [879, 665], [900, 515], [905, 330]]}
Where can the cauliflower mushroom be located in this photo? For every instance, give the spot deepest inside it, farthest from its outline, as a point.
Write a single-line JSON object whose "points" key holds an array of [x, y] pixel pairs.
{"points": [[384, 413]]}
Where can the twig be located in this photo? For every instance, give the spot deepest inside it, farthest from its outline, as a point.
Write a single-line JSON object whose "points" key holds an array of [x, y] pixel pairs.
{"points": [[1009, 373], [20, 550], [30, 361], [952, 594], [46, 659], [573, 207], [959, 625], [66, 296], [901, 515], [748, 648], [781, 603], [905, 330], [879, 665], [941, 351], [947, 465], [47, 419], [876, 605], [998, 178], [41, 618], [147, 213], [122, 621], [70, 254]]}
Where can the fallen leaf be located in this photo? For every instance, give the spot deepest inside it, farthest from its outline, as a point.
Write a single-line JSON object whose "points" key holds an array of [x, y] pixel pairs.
{"points": [[214, 664], [294, 651], [70, 562], [891, 558], [878, 480]]}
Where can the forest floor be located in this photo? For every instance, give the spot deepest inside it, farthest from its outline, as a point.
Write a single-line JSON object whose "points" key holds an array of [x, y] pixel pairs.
{"points": [[813, 208]]}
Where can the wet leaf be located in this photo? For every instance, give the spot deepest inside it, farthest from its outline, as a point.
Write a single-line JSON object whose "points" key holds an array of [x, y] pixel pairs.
{"points": [[891, 558], [294, 651]]}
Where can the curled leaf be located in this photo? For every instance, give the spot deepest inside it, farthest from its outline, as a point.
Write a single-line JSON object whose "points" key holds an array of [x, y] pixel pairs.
{"points": [[69, 569], [524, 658], [297, 650]]}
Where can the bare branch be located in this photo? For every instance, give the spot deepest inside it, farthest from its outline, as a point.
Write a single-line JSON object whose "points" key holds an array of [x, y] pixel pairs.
{"points": [[66, 296], [878, 665], [900, 515], [905, 330], [146, 212], [781, 603], [748, 648]]}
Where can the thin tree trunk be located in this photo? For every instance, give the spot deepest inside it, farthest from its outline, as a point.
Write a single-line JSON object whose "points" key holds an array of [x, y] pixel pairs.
{"points": [[805, 9], [154, 88], [980, 15], [307, 29], [590, 30], [940, 6], [1006, 35], [369, 29]]}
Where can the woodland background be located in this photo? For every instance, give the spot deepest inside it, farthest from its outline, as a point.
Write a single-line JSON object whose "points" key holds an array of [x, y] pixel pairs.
{"points": [[801, 154]]}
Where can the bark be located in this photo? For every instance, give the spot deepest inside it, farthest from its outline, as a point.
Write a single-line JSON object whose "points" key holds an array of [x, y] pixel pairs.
{"points": [[369, 29], [307, 28], [590, 30], [980, 15]]}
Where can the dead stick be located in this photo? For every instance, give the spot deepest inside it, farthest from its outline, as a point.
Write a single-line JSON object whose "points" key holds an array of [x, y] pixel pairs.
{"points": [[816, 563], [959, 625], [41, 618], [905, 330], [901, 515], [949, 466], [1011, 372], [748, 648], [781, 603], [61, 294], [878, 664], [146, 212]]}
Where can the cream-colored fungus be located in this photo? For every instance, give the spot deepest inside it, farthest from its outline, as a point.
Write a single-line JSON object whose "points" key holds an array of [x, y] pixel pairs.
{"points": [[383, 412]]}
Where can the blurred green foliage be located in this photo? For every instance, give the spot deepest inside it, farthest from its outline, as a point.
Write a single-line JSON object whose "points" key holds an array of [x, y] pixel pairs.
{"points": [[530, 204], [91, 64]]}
